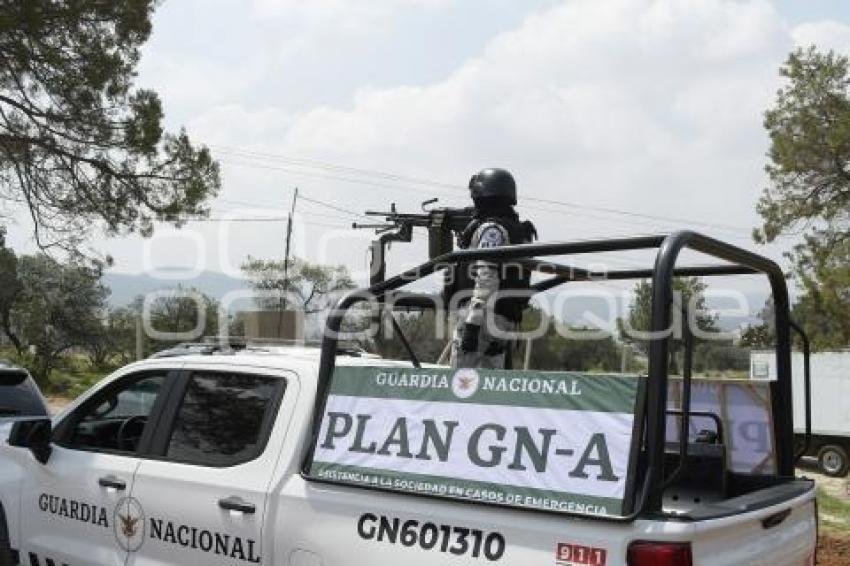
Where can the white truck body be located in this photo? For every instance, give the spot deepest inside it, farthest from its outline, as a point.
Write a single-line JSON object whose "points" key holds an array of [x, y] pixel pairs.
{"points": [[167, 512], [830, 388], [830, 391]]}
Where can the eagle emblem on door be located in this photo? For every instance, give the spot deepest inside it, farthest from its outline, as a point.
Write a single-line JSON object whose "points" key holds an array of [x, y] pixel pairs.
{"points": [[129, 524]]}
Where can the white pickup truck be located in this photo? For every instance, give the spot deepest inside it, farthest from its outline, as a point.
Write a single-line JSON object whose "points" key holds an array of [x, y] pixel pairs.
{"points": [[196, 460], [310, 457]]}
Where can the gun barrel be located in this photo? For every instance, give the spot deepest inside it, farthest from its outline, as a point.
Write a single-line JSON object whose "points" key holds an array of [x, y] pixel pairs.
{"points": [[358, 226], [455, 218]]}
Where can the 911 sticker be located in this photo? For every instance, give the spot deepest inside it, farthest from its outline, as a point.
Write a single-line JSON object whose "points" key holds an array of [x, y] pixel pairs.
{"points": [[460, 541], [580, 555]]}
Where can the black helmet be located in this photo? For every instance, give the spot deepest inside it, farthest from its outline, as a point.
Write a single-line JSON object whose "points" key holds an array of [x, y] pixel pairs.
{"points": [[493, 184]]}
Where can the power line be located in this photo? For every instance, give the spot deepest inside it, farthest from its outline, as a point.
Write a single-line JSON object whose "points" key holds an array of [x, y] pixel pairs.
{"points": [[733, 232], [261, 219], [634, 214], [579, 215], [234, 219], [312, 213], [422, 230], [333, 207], [313, 174], [316, 164], [324, 165]]}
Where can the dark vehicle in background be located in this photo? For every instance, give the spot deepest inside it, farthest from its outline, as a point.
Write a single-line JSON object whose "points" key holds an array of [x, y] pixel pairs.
{"points": [[20, 397]]}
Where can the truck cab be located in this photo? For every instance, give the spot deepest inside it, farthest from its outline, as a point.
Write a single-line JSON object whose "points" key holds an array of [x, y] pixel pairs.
{"points": [[311, 456]]}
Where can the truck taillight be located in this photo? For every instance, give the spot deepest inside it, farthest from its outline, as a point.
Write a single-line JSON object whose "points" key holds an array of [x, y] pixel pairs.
{"points": [[660, 554]]}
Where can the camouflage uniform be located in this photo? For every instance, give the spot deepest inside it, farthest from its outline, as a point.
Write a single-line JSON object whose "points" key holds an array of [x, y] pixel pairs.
{"points": [[491, 351], [482, 339]]}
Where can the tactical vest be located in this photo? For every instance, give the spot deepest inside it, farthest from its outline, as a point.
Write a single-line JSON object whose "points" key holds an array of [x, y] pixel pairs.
{"points": [[512, 275]]}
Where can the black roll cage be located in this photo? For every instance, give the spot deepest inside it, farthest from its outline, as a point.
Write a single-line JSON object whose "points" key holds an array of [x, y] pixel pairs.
{"points": [[654, 413]]}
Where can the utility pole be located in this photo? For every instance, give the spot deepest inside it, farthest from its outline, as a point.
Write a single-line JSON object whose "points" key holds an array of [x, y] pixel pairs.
{"points": [[286, 262]]}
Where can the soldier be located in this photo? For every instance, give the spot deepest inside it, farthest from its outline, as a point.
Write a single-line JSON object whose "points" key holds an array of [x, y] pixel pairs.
{"points": [[475, 288]]}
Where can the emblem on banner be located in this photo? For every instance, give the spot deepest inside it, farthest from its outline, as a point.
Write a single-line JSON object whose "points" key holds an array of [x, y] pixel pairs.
{"points": [[465, 383]]}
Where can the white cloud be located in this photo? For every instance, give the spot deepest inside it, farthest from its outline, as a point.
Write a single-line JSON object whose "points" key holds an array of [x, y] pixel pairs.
{"points": [[306, 25], [650, 106], [824, 34], [636, 95], [336, 9]]}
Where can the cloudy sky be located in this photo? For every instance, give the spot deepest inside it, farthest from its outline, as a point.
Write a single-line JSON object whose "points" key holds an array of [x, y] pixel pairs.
{"points": [[635, 116]]}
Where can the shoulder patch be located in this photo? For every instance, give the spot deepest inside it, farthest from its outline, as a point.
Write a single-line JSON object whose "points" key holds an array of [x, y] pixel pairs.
{"points": [[492, 236]]}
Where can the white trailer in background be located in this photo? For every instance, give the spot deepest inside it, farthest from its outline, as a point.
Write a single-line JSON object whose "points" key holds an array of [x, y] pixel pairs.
{"points": [[830, 373]]}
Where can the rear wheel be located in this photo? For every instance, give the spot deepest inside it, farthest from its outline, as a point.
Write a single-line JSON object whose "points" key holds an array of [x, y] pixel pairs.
{"points": [[833, 461]]}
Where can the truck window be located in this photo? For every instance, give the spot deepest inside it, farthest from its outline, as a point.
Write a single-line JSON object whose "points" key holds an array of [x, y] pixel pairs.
{"points": [[224, 419], [115, 418]]}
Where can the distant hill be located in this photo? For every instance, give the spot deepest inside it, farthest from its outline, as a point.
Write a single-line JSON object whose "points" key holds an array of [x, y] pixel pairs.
{"points": [[126, 287], [580, 310]]}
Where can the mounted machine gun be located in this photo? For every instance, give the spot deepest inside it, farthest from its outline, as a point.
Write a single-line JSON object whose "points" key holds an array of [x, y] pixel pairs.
{"points": [[442, 224]]}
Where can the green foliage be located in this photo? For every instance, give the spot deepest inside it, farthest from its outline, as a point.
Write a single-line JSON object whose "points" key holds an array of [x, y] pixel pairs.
{"points": [[115, 344], [10, 288], [72, 375], [809, 128], [420, 330], [71, 382], [762, 335], [825, 330], [689, 292], [809, 170], [834, 512], [568, 348], [57, 308], [78, 144], [573, 349], [823, 309], [177, 313], [310, 286], [582, 351], [758, 336], [721, 358]]}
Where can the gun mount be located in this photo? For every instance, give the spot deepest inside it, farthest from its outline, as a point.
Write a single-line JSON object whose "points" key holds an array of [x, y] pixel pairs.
{"points": [[442, 223]]}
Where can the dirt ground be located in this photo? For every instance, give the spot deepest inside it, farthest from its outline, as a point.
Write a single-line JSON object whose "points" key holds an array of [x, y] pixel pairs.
{"points": [[833, 551], [834, 541], [836, 487], [56, 404]]}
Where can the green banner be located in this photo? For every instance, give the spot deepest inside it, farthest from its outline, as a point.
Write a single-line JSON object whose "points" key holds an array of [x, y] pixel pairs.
{"points": [[559, 390], [556, 441]]}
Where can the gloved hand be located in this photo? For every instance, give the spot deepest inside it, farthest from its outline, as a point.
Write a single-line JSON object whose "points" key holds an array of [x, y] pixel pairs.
{"points": [[469, 337]]}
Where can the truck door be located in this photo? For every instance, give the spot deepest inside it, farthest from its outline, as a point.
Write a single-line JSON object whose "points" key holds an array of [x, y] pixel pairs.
{"points": [[202, 498], [71, 506]]}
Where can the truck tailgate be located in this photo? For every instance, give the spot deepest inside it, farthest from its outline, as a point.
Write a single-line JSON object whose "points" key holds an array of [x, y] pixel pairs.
{"points": [[779, 535], [356, 526]]}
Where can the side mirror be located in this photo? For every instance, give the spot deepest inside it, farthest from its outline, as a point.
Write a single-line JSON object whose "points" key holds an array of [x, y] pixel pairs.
{"points": [[34, 434]]}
